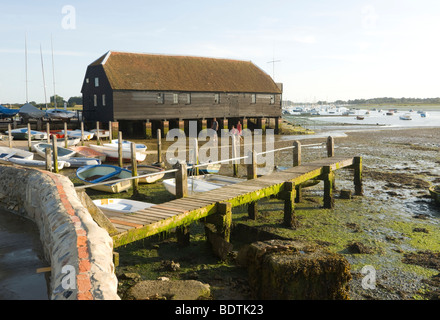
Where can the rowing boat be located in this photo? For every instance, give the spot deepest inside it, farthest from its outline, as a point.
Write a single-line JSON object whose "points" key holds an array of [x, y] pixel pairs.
{"points": [[145, 169], [63, 153], [121, 206], [202, 183], [105, 173]]}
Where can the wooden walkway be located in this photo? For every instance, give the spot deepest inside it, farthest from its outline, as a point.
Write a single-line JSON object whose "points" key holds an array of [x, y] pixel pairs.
{"points": [[182, 212]]}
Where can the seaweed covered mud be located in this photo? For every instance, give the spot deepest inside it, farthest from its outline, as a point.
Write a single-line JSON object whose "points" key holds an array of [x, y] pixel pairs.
{"points": [[390, 236]]}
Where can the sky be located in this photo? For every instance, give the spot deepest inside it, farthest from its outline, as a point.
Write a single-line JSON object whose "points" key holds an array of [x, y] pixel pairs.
{"points": [[324, 50]]}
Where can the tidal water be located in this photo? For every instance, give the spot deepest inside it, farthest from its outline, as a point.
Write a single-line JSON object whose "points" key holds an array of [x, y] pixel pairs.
{"points": [[21, 254]]}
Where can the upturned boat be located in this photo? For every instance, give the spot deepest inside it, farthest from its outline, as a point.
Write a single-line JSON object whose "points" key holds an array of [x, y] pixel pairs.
{"points": [[22, 134], [88, 152]]}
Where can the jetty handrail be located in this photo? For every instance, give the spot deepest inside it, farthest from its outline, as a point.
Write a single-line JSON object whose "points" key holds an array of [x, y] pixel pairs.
{"points": [[126, 179], [193, 166]]}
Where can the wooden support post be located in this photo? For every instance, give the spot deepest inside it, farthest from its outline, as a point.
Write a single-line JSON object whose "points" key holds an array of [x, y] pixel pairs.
{"points": [[55, 154], [9, 135], [48, 132], [358, 189], [115, 130], [65, 135], [148, 132], [110, 134], [134, 172], [183, 236], [218, 230], [98, 140], [252, 167], [245, 123], [48, 158], [120, 159], [204, 124], [328, 177], [296, 153], [225, 124], [166, 127], [82, 133], [330, 147], [252, 210], [278, 122], [182, 125], [181, 180], [289, 220], [29, 136]]}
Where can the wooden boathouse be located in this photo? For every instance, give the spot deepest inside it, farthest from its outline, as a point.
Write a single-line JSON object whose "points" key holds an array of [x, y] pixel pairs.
{"points": [[140, 93]]}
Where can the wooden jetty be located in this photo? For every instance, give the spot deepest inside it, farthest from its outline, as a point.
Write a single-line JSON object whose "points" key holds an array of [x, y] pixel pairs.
{"points": [[216, 205]]}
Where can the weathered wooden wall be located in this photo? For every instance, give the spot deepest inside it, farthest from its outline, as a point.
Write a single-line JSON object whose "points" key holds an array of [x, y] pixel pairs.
{"points": [[135, 105]]}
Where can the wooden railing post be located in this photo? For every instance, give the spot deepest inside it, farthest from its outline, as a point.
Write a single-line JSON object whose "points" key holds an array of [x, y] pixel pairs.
{"points": [[159, 148], [252, 167], [29, 136], [120, 158], [296, 153], [289, 220], [48, 132], [65, 135], [98, 140], [82, 133], [55, 154], [328, 177], [330, 147], [357, 164], [48, 159], [9, 135], [134, 172], [181, 180], [110, 134], [234, 155]]}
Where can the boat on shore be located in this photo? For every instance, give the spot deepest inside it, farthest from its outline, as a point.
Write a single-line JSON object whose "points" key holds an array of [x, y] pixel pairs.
{"points": [[126, 145], [77, 162], [102, 133], [38, 163], [63, 153], [112, 152], [209, 168], [360, 117], [202, 183], [105, 173], [88, 152], [146, 169], [7, 153], [120, 206], [22, 134], [405, 117], [7, 113], [60, 114]]}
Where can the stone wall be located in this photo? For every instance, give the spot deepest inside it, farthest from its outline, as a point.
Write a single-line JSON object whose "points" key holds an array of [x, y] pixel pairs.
{"points": [[79, 251]]}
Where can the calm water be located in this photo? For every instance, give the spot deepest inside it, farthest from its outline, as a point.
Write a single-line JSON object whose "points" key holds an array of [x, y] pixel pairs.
{"points": [[21, 254]]}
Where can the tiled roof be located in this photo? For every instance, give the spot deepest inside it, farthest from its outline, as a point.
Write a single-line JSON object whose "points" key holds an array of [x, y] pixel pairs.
{"points": [[134, 71]]}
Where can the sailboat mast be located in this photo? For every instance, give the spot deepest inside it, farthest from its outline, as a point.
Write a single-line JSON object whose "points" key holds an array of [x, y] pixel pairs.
{"points": [[44, 81], [25, 66], [53, 76]]}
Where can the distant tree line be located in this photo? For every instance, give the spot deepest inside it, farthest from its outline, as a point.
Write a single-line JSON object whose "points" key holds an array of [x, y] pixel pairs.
{"points": [[391, 101], [71, 102]]}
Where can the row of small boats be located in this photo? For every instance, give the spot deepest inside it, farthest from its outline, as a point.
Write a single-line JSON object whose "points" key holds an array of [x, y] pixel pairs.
{"points": [[23, 134]]}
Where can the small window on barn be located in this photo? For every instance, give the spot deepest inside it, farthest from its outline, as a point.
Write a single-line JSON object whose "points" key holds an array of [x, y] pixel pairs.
{"points": [[103, 100], [272, 99], [254, 98], [87, 80], [175, 98], [96, 82], [160, 98], [95, 100], [216, 98], [188, 98]]}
